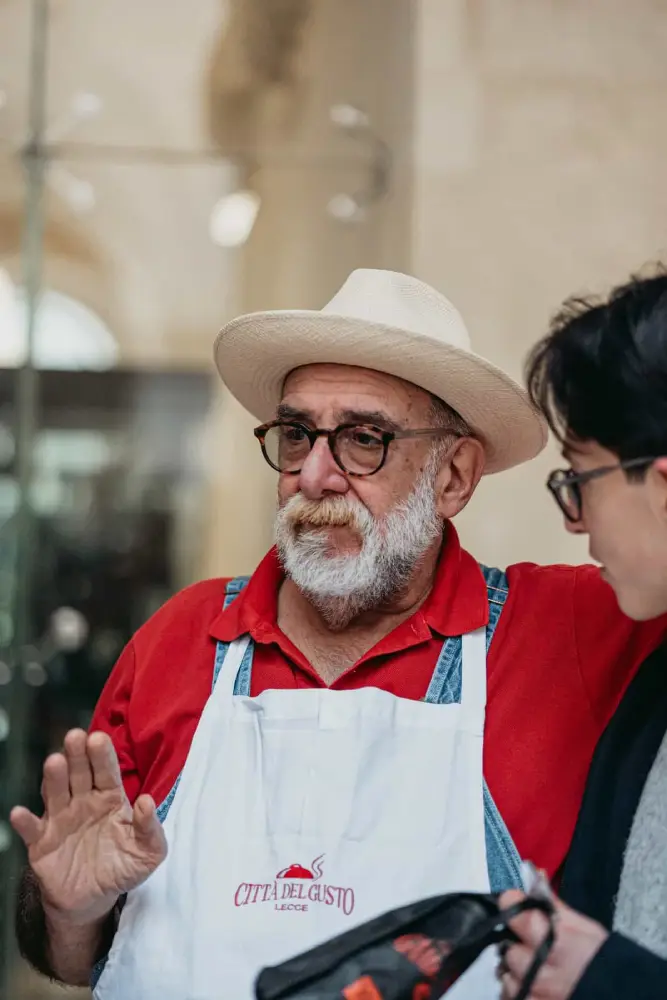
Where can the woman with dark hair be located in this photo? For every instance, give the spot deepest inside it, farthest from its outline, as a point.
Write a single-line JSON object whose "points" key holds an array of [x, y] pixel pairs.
{"points": [[600, 378]]}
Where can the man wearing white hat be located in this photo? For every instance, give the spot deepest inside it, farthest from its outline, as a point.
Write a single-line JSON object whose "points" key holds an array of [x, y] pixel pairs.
{"points": [[328, 739]]}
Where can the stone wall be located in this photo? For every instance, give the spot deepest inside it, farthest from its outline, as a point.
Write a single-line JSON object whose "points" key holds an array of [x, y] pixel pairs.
{"points": [[358, 52], [539, 158]]}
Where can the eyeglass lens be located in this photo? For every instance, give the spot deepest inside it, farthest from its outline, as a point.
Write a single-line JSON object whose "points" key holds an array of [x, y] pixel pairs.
{"points": [[359, 450], [569, 497]]}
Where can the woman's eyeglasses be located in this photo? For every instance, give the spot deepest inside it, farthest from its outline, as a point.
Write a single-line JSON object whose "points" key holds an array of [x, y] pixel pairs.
{"points": [[565, 484]]}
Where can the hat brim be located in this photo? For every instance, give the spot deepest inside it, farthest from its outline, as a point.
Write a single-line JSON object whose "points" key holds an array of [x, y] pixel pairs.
{"points": [[255, 353]]}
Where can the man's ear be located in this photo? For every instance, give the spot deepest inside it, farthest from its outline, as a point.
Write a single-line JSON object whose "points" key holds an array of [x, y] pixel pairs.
{"points": [[458, 478]]}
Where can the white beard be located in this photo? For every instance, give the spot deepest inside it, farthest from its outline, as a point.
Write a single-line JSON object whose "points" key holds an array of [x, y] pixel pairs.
{"points": [[343, 586]]}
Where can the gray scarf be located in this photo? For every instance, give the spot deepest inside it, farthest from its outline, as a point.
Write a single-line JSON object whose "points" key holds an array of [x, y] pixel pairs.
{"points": [[641, 905]]}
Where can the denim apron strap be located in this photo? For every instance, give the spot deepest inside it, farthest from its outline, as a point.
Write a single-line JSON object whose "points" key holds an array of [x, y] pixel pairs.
{"points": [[503, 859], [242, 687], [233, 589]]}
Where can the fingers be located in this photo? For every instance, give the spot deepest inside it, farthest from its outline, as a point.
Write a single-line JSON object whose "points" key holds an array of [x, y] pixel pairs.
{"points": [[510, 987], [531, 926], [88, 762], [28, 826], [103, 762], [517, 960], [515, 964], [510, 898], [147, 827], [80, 772], [55, 784], [144, 815]]}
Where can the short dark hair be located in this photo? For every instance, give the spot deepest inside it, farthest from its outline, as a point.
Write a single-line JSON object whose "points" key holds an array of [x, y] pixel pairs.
{"points": [[601, 372]]}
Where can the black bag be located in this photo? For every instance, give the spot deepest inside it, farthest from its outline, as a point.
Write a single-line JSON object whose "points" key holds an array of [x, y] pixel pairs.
{"points": [[413, 953]]}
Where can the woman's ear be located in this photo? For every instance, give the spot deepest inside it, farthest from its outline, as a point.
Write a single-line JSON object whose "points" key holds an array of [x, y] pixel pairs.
{"points": [[657, 476]]}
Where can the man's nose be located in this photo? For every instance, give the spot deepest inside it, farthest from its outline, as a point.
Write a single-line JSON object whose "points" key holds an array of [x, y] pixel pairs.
{"points": [[320, 474]]}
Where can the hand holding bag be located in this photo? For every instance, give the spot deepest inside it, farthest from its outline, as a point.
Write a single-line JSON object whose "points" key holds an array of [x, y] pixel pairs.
{"points": [[416, 952]]}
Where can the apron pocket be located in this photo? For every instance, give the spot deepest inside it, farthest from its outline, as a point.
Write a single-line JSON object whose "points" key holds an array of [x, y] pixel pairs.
{"points": [[404, 791]]}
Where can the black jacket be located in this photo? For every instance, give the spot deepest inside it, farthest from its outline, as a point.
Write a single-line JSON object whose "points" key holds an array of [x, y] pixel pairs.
{"points": [[591, 877]]}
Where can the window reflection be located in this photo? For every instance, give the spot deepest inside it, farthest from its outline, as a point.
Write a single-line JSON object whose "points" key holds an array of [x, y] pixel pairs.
{"points": [[67, 334], [112, 466]]}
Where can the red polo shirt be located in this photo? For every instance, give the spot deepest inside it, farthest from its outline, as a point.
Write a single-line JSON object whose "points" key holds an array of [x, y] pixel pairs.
{"points": [[560, 660]]}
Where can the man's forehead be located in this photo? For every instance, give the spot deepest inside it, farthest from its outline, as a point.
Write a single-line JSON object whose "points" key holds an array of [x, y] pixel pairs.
{"points": [[329, 383]]}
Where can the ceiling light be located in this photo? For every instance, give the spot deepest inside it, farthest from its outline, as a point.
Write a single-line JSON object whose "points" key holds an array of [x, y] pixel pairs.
{"points": [[348, 117], [233, 218], [86, 105], [346, 208]]}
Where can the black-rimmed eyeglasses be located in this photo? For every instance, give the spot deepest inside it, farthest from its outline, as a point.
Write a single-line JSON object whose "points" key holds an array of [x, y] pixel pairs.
{"points": [[565, 484], [358, 449]]}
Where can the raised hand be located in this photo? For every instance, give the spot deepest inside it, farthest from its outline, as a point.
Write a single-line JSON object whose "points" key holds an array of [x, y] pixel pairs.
{"points": [[91, 845]]}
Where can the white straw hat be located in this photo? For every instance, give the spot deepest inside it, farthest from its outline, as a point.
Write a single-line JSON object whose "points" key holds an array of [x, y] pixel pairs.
{"points": [[391, 323]]}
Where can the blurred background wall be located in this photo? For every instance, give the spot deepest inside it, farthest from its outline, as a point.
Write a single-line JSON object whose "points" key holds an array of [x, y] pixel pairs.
{"points": [[538, 165], [166, 165]]}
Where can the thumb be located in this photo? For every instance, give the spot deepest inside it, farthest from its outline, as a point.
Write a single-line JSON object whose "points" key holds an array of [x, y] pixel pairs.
{"points": [[147, 827], [28, 826], [561, 909]]}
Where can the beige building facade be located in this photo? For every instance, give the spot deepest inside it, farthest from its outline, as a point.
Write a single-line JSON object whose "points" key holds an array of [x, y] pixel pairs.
{"points": [[527, 163], [530, 153]]}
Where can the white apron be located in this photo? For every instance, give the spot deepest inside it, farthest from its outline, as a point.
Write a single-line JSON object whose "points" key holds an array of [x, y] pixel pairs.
{"points": [[300, 814]]}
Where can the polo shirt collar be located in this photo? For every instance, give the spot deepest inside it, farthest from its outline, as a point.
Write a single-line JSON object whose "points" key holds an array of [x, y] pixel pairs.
{"points": [[457, 603]]}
